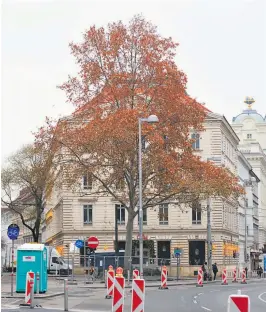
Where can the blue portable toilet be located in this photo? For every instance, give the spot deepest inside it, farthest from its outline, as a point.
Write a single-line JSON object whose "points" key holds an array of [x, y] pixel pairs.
{"points": [[31, 257]]}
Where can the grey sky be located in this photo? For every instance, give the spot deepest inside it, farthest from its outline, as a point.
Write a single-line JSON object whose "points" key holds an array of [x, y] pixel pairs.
{"points": [[222, 50]]}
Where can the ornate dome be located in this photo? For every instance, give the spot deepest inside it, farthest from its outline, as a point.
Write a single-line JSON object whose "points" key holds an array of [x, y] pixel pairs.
{"points": [[251, 113]]}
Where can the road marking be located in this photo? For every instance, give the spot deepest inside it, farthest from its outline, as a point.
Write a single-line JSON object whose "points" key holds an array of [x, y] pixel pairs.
{"points": [[206, 309], [214, 290], [261, 296], [194, 300], [200, 294]]}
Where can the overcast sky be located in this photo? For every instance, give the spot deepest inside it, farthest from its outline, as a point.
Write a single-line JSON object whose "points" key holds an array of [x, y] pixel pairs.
{"points": [[222, 50]]}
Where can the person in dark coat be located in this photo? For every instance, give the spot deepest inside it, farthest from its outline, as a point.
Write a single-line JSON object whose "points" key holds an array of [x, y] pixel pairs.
{"points": [[215, 270], [260, 271], [246, 269]]}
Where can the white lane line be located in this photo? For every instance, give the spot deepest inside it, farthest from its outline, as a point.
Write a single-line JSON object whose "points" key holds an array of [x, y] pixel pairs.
{"points": [[206, 309], [259, 296], [214, 290], [200, 294]]}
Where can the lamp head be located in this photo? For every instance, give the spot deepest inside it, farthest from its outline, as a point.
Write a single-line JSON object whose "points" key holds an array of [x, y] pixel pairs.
{"points": [[152, 119]]}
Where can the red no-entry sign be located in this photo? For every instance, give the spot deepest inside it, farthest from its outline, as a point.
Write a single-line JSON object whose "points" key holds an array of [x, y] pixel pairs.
{"points": [[93, 242]]}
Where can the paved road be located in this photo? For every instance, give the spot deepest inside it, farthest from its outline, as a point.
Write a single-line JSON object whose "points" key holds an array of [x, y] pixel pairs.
{"points": [[176, 299]]}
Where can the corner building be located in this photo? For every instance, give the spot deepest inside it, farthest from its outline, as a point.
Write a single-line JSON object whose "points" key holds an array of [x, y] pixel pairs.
{"points": [[71, 216]]}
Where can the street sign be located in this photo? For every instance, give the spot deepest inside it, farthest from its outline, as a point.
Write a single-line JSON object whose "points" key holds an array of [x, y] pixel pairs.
{"points": [[264, 262], [177, 252], [13, 231], [93, 242], [238, 303], [79, 243]]}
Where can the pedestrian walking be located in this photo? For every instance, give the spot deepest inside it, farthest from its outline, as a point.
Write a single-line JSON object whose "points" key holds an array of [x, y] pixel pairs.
{"points": [[260, 271], [246, 269], [215, 270], [204, 271]]}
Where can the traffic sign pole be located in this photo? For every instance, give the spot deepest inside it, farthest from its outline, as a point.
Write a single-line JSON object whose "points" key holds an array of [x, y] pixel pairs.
{"points": [[12, 269], [12, 233]]}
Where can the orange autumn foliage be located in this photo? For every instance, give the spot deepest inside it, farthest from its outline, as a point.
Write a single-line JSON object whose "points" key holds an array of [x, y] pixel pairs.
{"points": [[128, 72]]}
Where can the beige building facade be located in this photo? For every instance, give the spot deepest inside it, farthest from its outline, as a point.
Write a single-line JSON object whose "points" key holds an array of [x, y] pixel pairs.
{"points": [[71, 216], [250, 126]]}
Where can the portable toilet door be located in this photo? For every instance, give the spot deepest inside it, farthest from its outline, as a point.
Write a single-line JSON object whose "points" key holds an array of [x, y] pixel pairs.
{"points": [[31, 257]]}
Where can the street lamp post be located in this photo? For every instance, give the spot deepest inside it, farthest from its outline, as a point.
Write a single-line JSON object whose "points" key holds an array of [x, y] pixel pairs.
{"points": [[150, 119]]}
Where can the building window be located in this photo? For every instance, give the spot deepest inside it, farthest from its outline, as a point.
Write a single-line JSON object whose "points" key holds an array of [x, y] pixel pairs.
{"points": [[249, 136], [120, 214], [163, 214], [144, 216], [196, 140], [87, 181], [196, 213], [87, 214]]}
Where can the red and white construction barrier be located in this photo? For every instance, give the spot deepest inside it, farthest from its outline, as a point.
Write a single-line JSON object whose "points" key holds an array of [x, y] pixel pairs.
{"points": [[224, 277], [110, 283], [118, 294], [29, 285], [200, 278], [135, 274], [163, 278], [234, 276], [138, 295], [238, 303], [243, 281]]}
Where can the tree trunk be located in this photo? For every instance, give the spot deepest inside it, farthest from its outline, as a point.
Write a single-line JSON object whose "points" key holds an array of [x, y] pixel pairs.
{"points": [[128, 248], [35, 235]]}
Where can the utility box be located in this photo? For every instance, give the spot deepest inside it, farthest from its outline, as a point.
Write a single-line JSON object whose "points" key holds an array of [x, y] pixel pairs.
{"points": [[31, 257]]}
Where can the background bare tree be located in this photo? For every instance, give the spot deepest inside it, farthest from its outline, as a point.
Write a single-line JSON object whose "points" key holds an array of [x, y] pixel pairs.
{"points": [[30, 171]]}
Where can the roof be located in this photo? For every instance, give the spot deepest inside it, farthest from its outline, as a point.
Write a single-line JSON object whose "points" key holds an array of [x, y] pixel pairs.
{"points": [[31, 247], [249, 113]]}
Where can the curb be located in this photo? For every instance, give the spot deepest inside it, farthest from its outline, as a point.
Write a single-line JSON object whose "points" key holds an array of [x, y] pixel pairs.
{"points": [[156, 285], [35, 296]]}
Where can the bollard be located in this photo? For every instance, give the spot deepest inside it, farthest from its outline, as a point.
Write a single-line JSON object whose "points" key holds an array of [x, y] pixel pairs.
{"points": [[65, 294], [224, 277], [163, 278], [37, 283], [138, 295], [32, 295], [135, 274], [200, 278], [105, 278], [73, 268], [234, 276], [244, 277], [118, 294], [110, 283]]}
